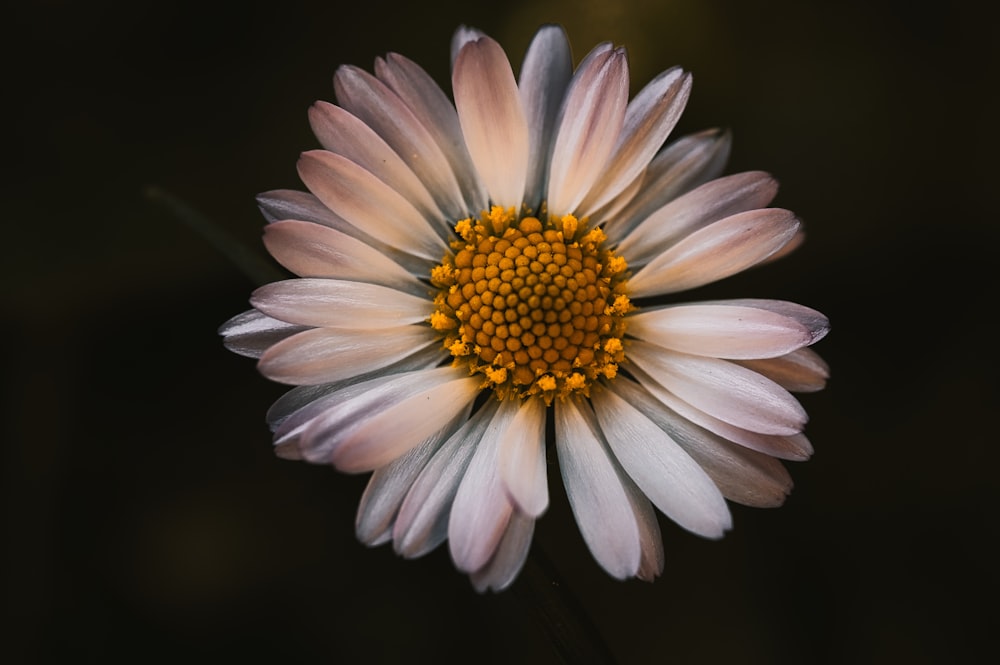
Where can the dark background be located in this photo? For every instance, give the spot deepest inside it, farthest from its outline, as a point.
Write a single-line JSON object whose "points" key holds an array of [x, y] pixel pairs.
{"points": [[145, 517]]}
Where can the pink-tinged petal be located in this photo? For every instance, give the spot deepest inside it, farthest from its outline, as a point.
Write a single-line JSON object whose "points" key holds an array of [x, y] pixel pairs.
{"points": [[325, 355], [598, 53], [383, 438], [282, 204], [422, 522], [734, 329], [596, 494], [335, 403], [722, 389], [609, 211], [385, 112], [544, 78], [338, 303], [695, 210], [521, 460], [285, 204], [660, 468], [801, 371], [311, 250], [741, 474], [650, 540], [292, 413], [302, 403], [288, 450], [368, 203], [797, 240], [649, 119], [463, 35], [591, 119], [251, 333], [303, 397], [492, 119], [374, 429], [344, 134], [435, 112], [481, 509], [716, 251], [509, 558], [297, 399], [389, 485], [680, 167], [794, 447]]}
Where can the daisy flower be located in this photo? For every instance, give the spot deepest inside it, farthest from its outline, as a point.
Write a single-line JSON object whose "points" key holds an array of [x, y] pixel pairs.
{"points": [[478, 278]]}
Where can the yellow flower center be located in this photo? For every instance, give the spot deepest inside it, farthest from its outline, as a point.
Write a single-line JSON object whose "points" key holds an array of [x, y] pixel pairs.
{"points": [[537, 308]]}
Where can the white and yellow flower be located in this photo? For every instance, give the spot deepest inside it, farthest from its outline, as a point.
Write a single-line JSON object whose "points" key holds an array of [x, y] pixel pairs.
{"points": [[468, 272]]}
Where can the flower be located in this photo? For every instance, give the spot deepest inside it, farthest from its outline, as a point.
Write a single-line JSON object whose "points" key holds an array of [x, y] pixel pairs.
{"points": [[469, 272]]}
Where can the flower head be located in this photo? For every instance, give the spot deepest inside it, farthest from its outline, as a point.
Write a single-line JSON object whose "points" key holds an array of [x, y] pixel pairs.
{"points": [[469, 271]]}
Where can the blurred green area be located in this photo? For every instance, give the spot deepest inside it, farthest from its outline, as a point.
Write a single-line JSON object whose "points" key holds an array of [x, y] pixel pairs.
{"points": [[146, 517]]}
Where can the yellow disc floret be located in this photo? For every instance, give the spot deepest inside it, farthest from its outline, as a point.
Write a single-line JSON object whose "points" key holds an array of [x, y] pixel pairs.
{"points": [[538, 309]]}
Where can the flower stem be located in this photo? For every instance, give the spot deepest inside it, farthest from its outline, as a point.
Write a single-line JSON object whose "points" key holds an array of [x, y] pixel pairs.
{"points": [[250, 262]]}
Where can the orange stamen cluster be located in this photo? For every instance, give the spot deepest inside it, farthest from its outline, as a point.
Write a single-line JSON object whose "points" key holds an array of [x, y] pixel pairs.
{"points": [[537, 309]]}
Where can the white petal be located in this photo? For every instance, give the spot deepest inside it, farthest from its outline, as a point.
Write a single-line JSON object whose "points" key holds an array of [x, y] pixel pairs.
{"points": [[792, 446], [660, 468], [545, 75], [282, 204], [303, 396], [324, 355], [649, 119], [801, 371], [311, 250], [463, 35], [709, 203], [369, 204], [716, 251], [344, 134], [735, 329], [251, 333], [422, 522], [286, 204], [288, 433], [610, 210], [797, 240], [521, 461], [650, 541], [741, 474], [596, 495], [435, 111], [510, 555], [722, 389], [493, 123], [365, 443], [381, 109], [678, 168], [338, 303], [590, 121], [389, 485], [482, 508], [345, 417], [302, 404]]}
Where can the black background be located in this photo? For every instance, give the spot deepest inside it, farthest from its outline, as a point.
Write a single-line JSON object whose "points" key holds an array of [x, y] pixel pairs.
{"points": [[145, 517]]}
